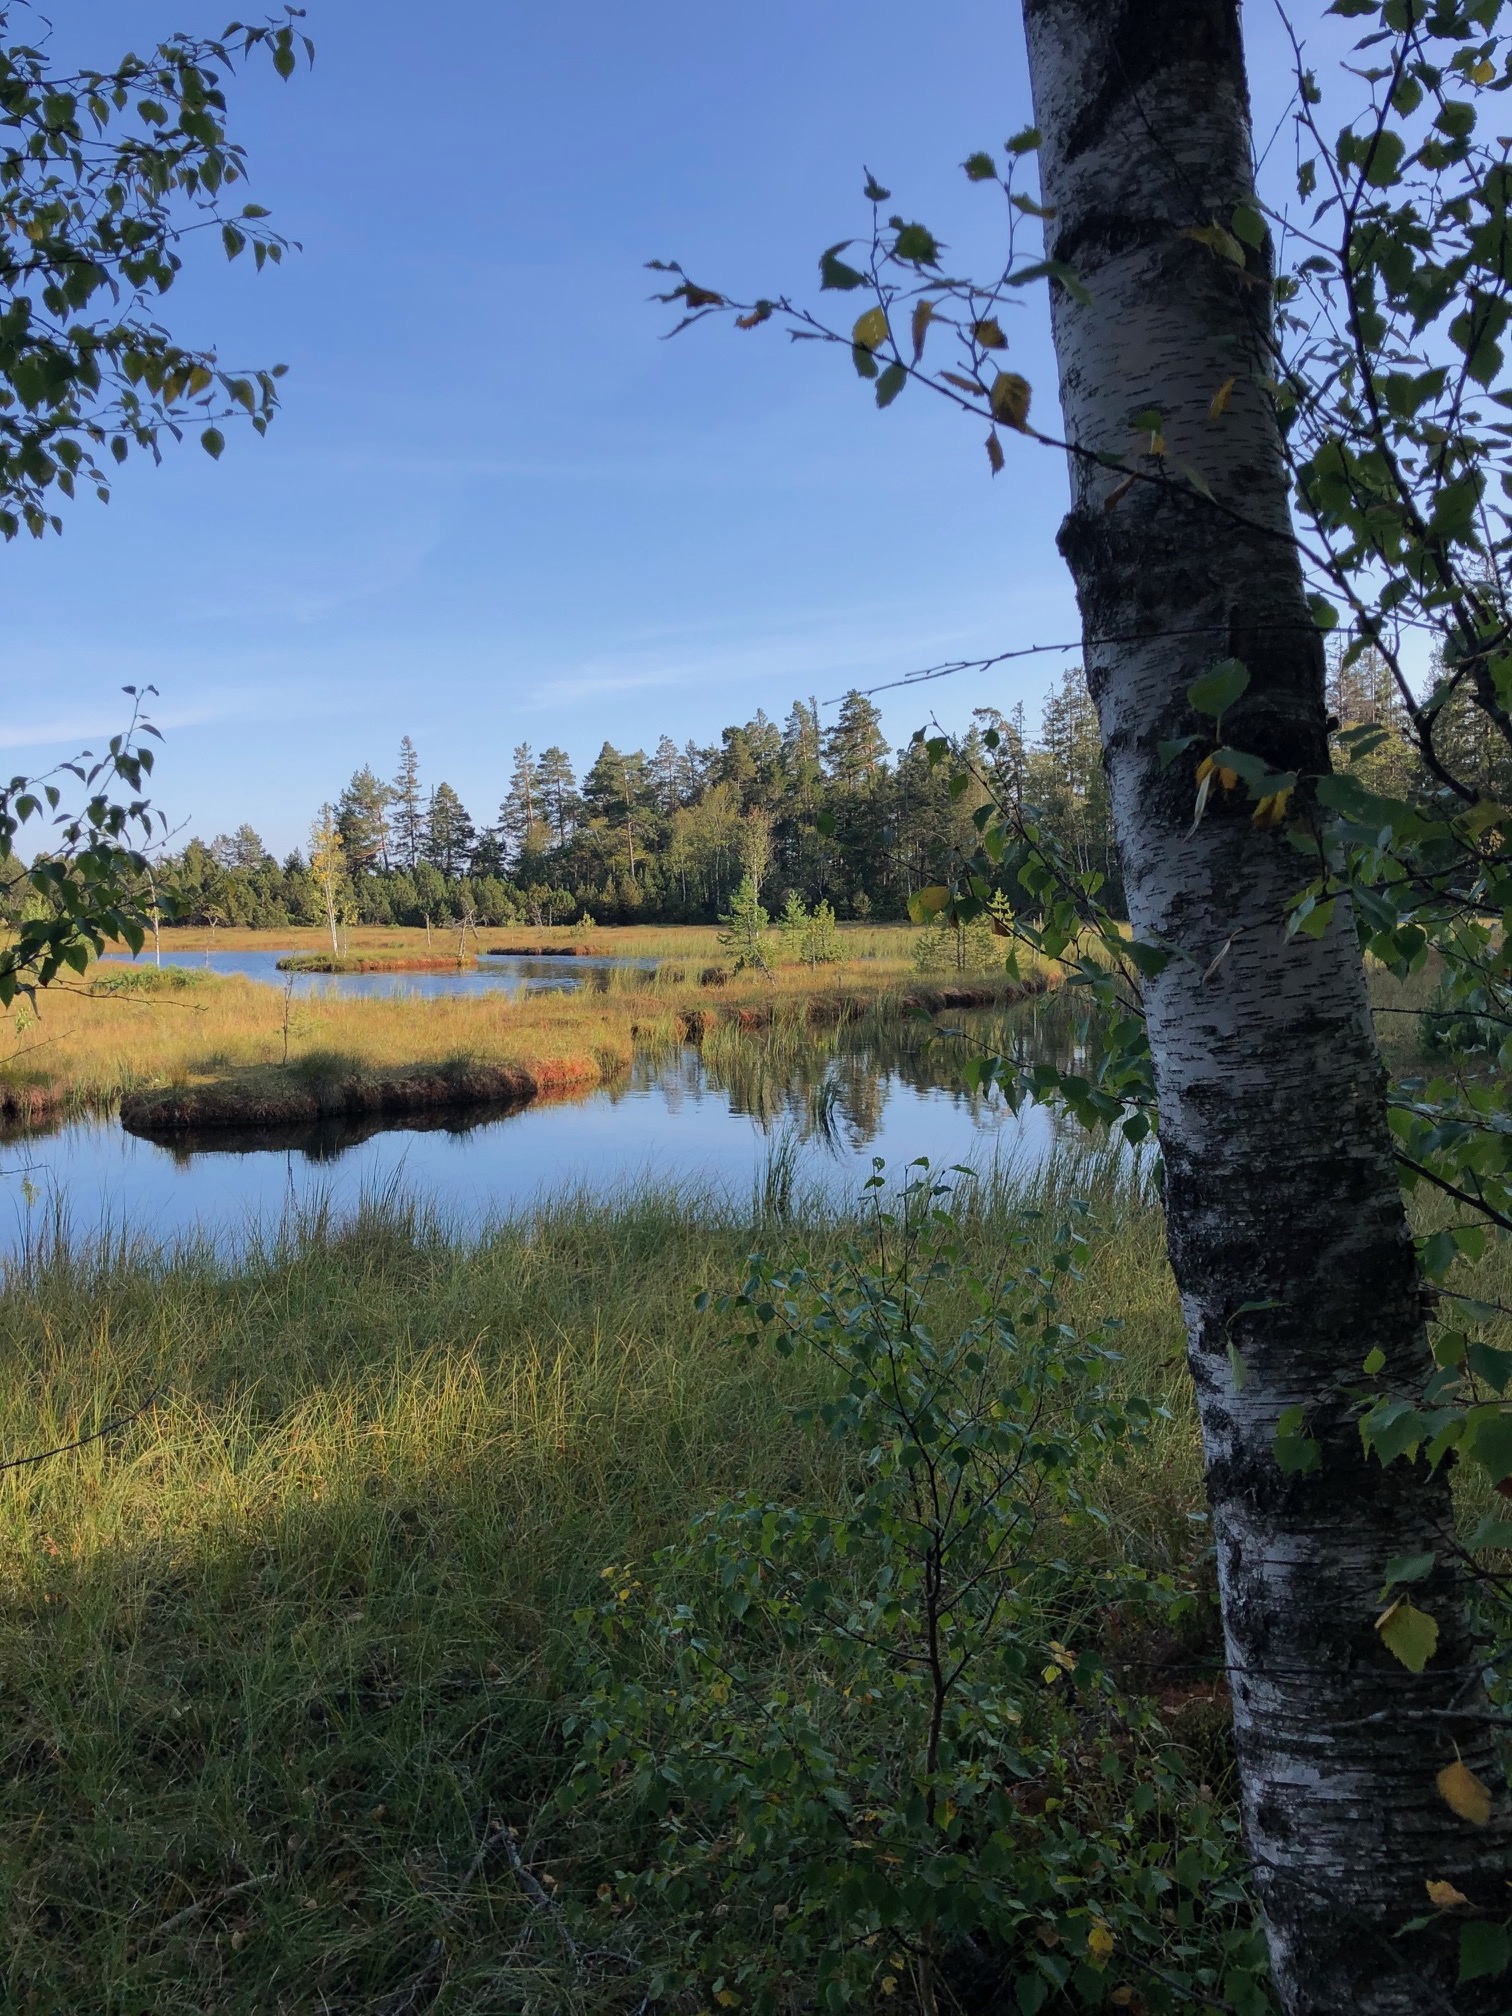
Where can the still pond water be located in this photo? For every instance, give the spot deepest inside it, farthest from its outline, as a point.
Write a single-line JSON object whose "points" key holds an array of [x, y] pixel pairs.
{"points": [[494, 972], [742, 1120]]}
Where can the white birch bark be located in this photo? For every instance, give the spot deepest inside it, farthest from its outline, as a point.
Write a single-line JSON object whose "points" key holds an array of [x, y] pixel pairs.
{"points": [[1280, 1180]]}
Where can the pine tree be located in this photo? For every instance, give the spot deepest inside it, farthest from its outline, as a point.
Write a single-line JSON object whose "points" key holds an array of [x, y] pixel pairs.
{"points": [[745, 927], [362, 815], [556, 784], [663, 777], [855, 748], [240, 852], [409, 817], [450, 835], [614, 791], [802, 762], [522, 815]]}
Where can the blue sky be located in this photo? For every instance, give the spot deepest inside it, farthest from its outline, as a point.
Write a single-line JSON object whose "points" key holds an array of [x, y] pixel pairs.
{"points": [[496, 506]]}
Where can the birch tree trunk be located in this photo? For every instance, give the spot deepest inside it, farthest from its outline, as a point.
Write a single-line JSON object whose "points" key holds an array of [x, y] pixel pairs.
{"points": [[1280, 1180]]}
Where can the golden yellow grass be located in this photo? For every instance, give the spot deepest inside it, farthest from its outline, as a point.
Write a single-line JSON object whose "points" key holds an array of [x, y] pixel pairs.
{"points": [[274, 1654], [96, 1041], [887, 942]]}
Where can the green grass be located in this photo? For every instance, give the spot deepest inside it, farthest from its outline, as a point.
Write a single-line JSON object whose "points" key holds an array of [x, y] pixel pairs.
{"points": [[274, 1654]]}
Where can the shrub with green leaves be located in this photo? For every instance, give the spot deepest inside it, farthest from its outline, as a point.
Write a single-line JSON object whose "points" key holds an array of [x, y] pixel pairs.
{"points": [[867, 1747]]}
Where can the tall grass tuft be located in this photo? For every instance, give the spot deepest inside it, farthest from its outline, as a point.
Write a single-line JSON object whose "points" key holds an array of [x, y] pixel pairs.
{"points": [[275, 1652]]}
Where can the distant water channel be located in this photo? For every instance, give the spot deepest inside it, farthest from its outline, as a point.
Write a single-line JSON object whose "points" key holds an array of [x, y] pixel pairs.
{"points": [[509, 972], [746, 1118]]}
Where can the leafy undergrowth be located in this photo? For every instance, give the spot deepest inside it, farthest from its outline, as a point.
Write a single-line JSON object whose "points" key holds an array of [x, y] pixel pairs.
{"points": [[284, 1657]]}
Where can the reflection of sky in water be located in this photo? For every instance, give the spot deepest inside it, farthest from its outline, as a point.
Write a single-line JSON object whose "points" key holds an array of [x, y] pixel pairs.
{"points": [[664, 1120], [514, 975]]}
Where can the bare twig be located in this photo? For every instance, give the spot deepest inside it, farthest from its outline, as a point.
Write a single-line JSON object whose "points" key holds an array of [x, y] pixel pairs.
{"points": [[83, 1442], [211, 1903]]}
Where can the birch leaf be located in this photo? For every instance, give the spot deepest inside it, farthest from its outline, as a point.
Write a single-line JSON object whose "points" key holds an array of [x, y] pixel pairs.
{"points": [[1010, 399], [1218, 404], [989, 333], [1463, 1793], [1220, 688], [1217, 240], [1410, 1635], [994, 451], [922, 315], [1445, 1896], [871, 331], [1409, 1568], [1485, 1950], [1270, 811], [891, 383], [833, 271]]}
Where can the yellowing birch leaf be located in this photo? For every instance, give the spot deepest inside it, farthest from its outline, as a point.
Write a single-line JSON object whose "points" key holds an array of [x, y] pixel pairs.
{"points": [[989, 333], [1445, 1896], [1271, 810], [1010, 399], [1463, 1793], [1409, 1634], [963, 384], [994, 451], [1118, 493], [1218, 405], [922, 316], [1100, 1945], [1216, 239], [871, 330]]}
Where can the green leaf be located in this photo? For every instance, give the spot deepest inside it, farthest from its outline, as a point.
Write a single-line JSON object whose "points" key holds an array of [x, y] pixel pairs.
{"points": [[1491, 1365], [1386, 156], [1493, 1445], [980, 167], [213, 441], [833, 271], [1218, 689], [1150, 960], [891, 383], [1409, 1634], [1296, 1451], [1408, 1568], [1324, 613], [1053, 269], [915, 244], [1484, 1950], [1375, 1361]]}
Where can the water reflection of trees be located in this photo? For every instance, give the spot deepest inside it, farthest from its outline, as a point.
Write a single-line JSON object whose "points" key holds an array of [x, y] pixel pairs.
{"points": [[834, 1085]]}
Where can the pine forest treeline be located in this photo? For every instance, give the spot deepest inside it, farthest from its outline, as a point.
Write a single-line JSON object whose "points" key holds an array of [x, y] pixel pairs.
{"points": [[663, 837]]}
